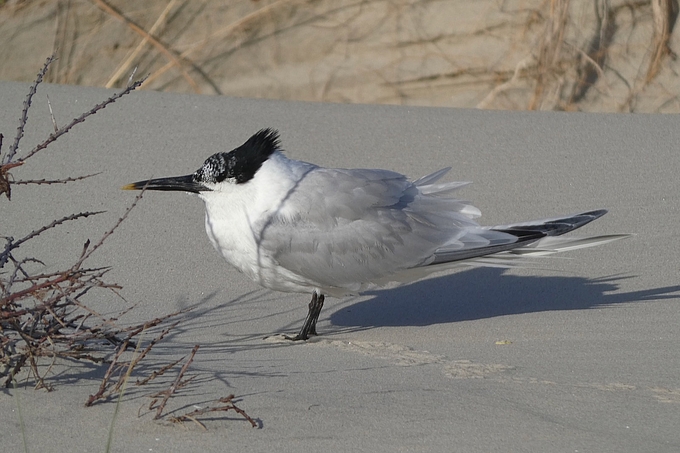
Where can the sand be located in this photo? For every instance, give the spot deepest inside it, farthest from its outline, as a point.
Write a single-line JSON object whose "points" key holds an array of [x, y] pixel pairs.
{"points": [[579, 354]]}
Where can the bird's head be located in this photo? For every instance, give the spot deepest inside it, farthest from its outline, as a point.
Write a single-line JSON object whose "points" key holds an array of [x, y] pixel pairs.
{"points": [[235, 167]]}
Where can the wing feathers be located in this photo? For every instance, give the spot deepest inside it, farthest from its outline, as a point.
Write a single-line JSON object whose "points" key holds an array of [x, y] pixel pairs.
{"points": [[348, 230]]}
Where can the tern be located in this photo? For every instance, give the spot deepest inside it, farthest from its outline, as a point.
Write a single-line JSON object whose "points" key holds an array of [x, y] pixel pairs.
{"points": [[294, 226]]}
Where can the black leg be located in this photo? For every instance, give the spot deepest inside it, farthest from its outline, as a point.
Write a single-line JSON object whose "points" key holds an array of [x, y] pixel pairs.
{"points": [[316, 308], [309, 326]]}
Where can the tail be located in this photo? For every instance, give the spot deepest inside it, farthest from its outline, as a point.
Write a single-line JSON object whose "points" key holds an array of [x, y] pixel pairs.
{"points": [[536, 238]]}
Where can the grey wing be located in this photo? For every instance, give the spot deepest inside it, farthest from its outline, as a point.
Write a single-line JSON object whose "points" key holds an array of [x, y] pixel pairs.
{"points": [[344, 228]]}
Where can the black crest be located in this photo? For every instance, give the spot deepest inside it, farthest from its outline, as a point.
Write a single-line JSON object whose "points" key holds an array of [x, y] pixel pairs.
{"points": [[242, 163]]}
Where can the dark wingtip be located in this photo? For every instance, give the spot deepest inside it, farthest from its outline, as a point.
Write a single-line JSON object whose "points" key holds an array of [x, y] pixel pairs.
{"points": [[596, 214], [583, 219], [555, 227]]}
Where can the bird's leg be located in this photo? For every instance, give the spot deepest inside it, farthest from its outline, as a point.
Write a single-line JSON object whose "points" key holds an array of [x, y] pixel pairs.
{"points": [[315, 307], [309, 326]]}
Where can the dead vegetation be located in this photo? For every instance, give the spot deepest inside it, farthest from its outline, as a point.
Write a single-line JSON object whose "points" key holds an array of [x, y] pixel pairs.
{"points": [[611, 66], [600, 55], [45, 316]]}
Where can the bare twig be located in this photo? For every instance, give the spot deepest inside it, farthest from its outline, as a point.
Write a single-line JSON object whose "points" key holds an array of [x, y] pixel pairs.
{"points": [[54, 120], [160, 372], [138, 358], [24, 113], [87, 254], [11, 245], [105, 381], [227, 405], [175, 385], [36, 288], [54, 181], [105, 387], [81, 118]]}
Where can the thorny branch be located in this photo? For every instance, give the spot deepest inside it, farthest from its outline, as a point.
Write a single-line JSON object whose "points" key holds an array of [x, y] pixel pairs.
{"points": [[179, 383], [8, 161], [80, 119], [125, 369], [227, 405], [24, 113], [54, 181], [11, 244], [43, 315], [87, 253]]}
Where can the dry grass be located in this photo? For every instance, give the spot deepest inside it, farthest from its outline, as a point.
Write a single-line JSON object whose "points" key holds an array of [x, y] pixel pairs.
{"points": [[599, 55], [665, 13], [572, 72]]}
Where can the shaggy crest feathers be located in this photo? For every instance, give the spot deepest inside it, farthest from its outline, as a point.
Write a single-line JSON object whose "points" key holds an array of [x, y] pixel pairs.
{"points": [[240, 164]]}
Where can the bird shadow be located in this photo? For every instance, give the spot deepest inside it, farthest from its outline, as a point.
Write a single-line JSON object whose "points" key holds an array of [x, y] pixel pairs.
{"points": [[487, 293]]}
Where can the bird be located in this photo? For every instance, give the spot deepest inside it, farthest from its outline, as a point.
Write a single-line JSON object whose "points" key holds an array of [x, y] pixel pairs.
{"points": [[294, 226]]}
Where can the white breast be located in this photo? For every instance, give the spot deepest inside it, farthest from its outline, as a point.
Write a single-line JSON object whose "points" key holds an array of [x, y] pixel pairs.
{"points": [[236, 215]]}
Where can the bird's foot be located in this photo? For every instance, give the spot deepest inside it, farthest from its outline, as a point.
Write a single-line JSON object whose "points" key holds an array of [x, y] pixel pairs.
{"points": [[297, 337]]}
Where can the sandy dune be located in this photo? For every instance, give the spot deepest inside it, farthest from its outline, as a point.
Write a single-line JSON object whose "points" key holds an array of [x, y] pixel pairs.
{"points": [[577, 355]]}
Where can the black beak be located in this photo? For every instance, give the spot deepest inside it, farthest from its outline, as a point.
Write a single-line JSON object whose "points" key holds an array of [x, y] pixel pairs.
{"points": [[175, 183]]}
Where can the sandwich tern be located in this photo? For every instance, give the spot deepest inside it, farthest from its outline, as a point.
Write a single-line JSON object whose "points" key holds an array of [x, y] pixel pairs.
{"points": [[297, 227]]}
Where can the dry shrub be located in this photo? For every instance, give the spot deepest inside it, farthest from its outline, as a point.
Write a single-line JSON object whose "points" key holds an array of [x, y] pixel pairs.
{"points": [[45, 317]]}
